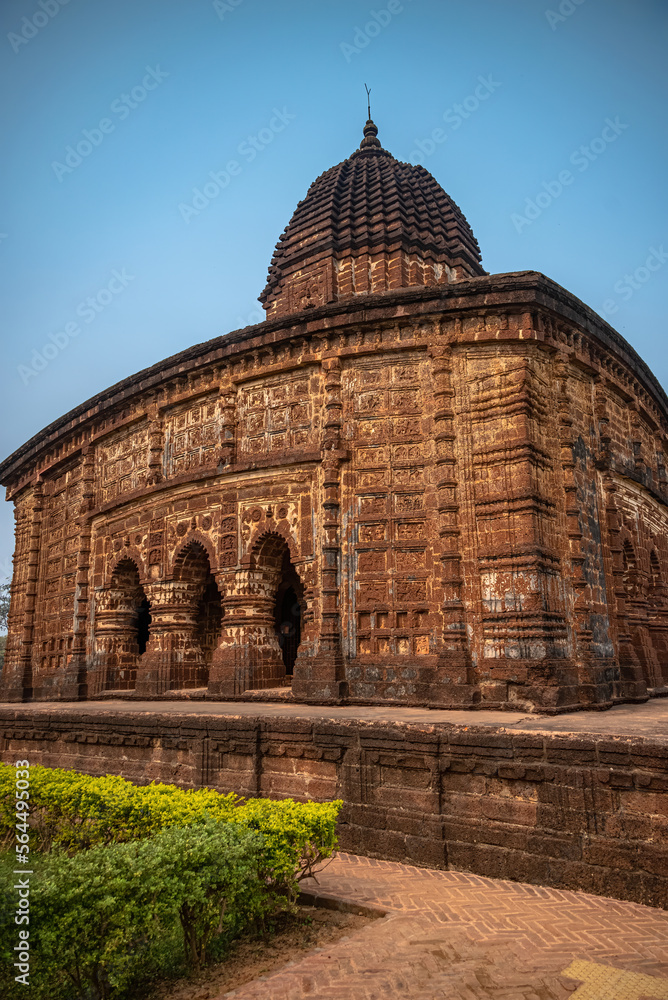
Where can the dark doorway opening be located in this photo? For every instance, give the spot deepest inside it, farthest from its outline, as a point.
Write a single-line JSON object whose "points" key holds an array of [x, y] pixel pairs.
{"points": [[209, 618], [288, 618], [143, 623]]}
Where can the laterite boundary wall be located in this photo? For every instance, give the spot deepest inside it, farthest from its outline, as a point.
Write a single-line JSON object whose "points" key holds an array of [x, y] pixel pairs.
{"points": [[575, 812]]}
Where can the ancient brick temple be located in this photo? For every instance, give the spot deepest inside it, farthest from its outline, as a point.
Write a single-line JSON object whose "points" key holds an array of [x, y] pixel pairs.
{"points": [[413, 482]]}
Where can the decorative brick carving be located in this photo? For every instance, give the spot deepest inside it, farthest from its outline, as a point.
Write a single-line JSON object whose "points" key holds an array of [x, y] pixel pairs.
{"points": [[459, 484]]}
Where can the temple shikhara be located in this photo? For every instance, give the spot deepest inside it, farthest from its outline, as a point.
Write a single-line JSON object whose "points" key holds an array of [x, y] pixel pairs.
{"points": [[413, 483]]}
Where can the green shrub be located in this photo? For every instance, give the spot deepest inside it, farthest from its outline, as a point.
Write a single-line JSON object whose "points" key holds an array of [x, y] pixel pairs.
{"points": [[122, 872], [98, 914], [298, 836], [75, 811]]}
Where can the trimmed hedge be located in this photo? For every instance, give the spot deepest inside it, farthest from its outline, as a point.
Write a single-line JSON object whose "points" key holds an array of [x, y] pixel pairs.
{"points": [[76, 812], [121, 871], [102, 916]]}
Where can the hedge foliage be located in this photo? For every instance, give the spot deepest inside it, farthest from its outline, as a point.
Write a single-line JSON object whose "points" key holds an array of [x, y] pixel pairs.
{"points": [[121, 870], [101, 914], [76, 812]]}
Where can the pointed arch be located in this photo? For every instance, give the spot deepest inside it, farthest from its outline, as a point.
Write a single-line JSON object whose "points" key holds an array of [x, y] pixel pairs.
{"points": [[122, 626], [132, 554], [195, 538], [271, 558], [125, 572], [268, 537], [267, 546]]}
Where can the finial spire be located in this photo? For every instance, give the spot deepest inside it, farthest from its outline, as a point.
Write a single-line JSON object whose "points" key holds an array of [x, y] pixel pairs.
{"points": [[370, 129]]}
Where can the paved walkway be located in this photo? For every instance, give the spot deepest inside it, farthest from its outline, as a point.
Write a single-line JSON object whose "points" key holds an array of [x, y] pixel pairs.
{"points": [[648, 720], [454, 936]]}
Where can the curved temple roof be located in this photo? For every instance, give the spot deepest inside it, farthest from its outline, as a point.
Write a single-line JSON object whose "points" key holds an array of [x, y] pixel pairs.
{"points": [[371, 223]]}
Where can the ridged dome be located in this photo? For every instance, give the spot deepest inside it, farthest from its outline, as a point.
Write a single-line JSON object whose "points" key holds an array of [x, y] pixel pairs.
{"points": [[367, 225]]}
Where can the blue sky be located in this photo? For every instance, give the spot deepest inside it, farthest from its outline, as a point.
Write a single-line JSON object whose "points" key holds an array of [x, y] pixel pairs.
{"points": [[110, 260]]}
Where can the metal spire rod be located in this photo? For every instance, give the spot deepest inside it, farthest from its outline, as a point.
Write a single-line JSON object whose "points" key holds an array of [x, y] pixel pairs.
{"points": [[368, 100]]}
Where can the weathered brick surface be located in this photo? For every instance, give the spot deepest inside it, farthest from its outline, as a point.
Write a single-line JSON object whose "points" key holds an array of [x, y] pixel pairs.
{"points": [[414, 483], [437, 796]]}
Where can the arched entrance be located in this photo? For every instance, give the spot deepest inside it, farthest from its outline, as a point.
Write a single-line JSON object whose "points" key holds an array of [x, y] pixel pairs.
{"points": [[122, 628], [200, 612], [288, 605], [264, 622]]}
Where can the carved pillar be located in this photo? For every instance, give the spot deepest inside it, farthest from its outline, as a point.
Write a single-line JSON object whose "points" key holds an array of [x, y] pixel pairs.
{"points": [[455, 680], [174, 658], [17, 679], [227, 409], [75, 681], [248, 656], [632, 686], [321, 677], [115, 646], [156, 445]]}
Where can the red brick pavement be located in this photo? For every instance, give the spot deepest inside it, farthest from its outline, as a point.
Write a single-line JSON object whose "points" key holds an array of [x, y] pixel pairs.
{"points": [[455, 936]]}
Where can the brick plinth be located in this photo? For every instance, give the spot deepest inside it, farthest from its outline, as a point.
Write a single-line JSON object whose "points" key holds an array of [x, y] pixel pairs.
{"points": [[579, 812]]}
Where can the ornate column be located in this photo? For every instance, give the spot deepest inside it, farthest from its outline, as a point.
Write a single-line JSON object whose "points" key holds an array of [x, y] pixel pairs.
{"points": [[115, 648], [322, 676], [454, 682], [156, 442], [248, 656], [173, 657], [75, 681], [227, 409], [17, 676]]}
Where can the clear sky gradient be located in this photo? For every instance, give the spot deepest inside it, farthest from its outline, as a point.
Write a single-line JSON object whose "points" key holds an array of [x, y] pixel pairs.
{"points": [[110, 261]]}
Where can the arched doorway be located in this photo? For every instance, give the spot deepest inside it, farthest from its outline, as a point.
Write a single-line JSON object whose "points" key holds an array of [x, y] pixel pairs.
{"points": [[200, 611], [288, 605], [122, 628], [283, 596]]}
